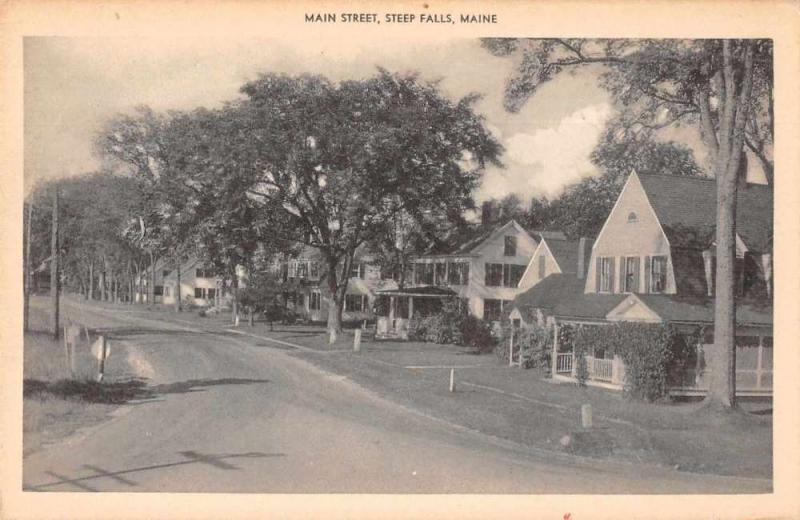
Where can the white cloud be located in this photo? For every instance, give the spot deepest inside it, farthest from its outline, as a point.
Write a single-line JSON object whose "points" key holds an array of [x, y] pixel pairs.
{"points": [[545, 160]]}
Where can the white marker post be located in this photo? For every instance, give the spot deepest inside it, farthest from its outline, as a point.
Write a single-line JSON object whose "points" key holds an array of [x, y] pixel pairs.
{"points": [[357, 341], [586, 416], [100, 350], [452, 380], [332, 337]]}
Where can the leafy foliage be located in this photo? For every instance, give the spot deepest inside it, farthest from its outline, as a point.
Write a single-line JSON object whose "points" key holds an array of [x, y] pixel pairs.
{"points": [[651, 352]]}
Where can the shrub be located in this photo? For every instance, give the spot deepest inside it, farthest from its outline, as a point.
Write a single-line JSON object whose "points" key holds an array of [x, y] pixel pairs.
{"points": [[477, 334], [442, 328], [534, 344]]}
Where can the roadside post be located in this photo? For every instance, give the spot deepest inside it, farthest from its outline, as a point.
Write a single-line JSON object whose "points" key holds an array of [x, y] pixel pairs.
{"points": [[357, 341], [586, 416], [100, 350], [511, 350], [452, 380]]}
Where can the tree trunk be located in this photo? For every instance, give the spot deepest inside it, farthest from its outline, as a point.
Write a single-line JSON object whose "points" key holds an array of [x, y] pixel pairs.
{"points": [[151, 290], [91, 279], [178, 303], [27, 273], [728, 155], [235, 294], [54, 268], [336, 297]]}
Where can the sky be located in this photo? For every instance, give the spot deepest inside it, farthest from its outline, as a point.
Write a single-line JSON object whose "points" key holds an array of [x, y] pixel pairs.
{"points": [[73, 85]]}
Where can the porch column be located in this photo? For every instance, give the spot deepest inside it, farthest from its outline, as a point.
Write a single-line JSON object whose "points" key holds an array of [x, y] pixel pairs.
{"points": [[554, 363], [391, 311], [410, 307]]}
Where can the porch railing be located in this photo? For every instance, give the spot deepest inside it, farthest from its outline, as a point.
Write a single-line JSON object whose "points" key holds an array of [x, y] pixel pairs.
{"points": [[564, 363], [602, 369]]}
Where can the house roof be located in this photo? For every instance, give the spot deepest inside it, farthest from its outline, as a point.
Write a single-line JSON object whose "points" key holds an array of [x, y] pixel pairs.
{"points": [[464, 241], [426, 291], [548, 293], [672, 308], [566, 253], [686, 209], [590, 306]]}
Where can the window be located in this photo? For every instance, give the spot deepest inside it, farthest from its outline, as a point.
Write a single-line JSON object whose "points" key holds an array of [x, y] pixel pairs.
{"points": [[458, 273], [512, 274], [314, 301], [503, 275], [158, 290], [423, 274], [658, 274], [632, 217], [204, 273], [510, 248], [211, 293], [492, 309], [630, 279], [302, 270], [494, 275], [605, 274], [198, 292], [440, 274], [165, 273], [354, 302], [542, 260], [313, 270], [358, 270]]}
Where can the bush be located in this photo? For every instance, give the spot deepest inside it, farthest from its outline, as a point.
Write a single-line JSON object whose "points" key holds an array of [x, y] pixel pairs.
{"points": [[477, 334], [443, 327], [534, 344]]}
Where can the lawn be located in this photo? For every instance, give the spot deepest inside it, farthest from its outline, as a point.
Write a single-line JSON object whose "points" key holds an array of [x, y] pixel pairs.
{"points": [[55, 403]]}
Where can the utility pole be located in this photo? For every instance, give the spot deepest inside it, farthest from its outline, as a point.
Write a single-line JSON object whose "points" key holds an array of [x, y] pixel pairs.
{"points": [[54, 260], [27, 275]]}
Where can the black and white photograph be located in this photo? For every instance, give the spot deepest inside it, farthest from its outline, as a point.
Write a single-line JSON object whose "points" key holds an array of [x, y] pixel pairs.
{"points": [[471, 265]]}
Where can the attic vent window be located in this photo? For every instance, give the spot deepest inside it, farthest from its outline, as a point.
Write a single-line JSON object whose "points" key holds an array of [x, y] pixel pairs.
{"points": [[632, 217]]}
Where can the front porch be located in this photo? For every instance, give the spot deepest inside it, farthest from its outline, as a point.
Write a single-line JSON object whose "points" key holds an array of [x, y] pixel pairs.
{"points": [[395, 308], [753, 368]]}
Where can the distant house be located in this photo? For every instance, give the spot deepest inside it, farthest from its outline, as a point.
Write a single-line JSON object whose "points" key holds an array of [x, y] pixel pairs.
{"points": [[308, 294], [654, 262], [199, 285], [482, 270]]}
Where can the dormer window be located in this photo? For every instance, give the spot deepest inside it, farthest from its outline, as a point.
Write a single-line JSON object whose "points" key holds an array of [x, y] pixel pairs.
{"points": [[632, 218]]}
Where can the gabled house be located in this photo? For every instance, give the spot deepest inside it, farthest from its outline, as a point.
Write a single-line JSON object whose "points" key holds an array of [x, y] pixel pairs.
{"points": [[483, 270], [654, 262]]}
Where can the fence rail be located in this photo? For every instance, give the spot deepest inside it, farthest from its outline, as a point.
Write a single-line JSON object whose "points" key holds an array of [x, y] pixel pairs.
{"points": [[564, 363]]}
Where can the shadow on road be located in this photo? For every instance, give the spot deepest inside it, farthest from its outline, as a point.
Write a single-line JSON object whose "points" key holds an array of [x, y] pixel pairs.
{"points": [[121, 392], [221, 461]]}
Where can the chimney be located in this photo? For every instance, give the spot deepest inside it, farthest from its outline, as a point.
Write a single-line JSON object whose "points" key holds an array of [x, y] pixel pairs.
{"points": [[581, 258], [486, 213], [707, 265]]}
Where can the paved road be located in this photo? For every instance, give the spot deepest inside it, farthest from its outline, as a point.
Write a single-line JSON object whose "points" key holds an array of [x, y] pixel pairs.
{"points": [[234, 415]]}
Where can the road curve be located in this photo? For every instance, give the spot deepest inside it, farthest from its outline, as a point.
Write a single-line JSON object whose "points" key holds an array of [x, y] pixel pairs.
{"points": [[235, 416]]}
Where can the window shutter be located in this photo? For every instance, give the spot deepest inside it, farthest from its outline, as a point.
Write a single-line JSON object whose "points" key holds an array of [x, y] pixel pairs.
{"points": [[597, 275], [622, 273], [611, 274], [647, 284], [486, 275], [636, 267]]}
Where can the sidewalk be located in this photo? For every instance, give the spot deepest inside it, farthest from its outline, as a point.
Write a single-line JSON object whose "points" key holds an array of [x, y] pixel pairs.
{"points": [[520, 405]]}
